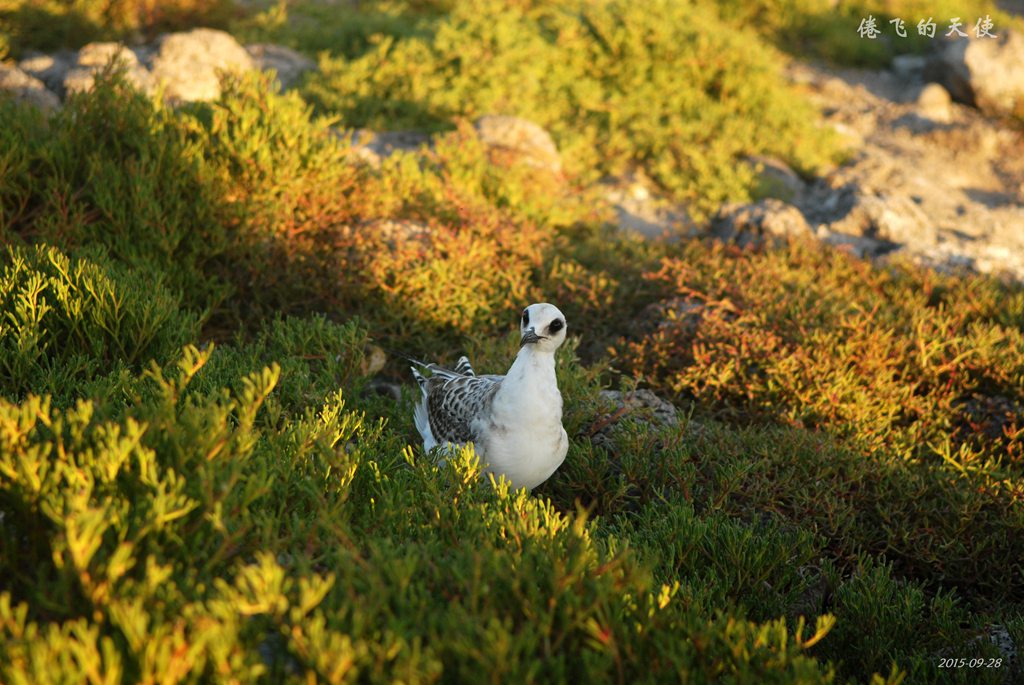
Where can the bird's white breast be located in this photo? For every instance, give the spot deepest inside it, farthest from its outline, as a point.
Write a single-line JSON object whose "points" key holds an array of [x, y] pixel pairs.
{"points": [[525, 438]]}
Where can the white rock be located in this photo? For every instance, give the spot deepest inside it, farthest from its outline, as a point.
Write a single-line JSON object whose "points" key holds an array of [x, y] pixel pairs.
{"points": [[94, 58], [189, 63], [100, 54]]}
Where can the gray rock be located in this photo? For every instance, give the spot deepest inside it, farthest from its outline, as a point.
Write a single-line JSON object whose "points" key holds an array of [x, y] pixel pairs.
{"points": [[380, 386], [373, 148], [651, 222], [50, 69], [374, 360], [893, 218], [999, 636], [520, 139], [25, 88], [770, 219], [640, 209], [987, 72], [858, 246], [643, 405], [776, 178], [95, 57], [909, 67], [100, 54], [289, 64], [189, 63]]}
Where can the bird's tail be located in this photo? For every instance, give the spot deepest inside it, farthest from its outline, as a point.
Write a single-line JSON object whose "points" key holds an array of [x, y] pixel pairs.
{"points": [[402, 355], [420, 379], [462, 366], [420, 413]]}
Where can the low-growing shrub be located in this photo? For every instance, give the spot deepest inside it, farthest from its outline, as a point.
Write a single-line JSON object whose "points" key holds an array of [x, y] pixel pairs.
{"points": [[615, 85], [341, 28], [183, 543], [754, 568], [783, 521], [252, 207], [316, 357], [907, 360], [117, 171], [937, 529], [889, 624], [67, 321]]}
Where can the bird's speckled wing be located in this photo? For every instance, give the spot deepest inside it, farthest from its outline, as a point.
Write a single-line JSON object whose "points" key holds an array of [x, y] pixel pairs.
{"points": [[455, 401]]}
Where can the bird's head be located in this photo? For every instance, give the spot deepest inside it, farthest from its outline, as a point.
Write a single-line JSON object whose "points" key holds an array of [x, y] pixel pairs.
{"points": [[542, 325]]}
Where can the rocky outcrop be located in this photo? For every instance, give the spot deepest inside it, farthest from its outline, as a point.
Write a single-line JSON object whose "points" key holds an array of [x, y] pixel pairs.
{"points": [[767, 220], [95, 57], [775, 178], [930, 179], [933, 105], [25, 88], [188, 65], [50, 69], [641, 209], [987, 72], [643, 403]]}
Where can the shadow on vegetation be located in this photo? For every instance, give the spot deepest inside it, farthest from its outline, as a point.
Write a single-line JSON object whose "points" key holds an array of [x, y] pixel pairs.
{"points": [[51, 26], [46, 29]]}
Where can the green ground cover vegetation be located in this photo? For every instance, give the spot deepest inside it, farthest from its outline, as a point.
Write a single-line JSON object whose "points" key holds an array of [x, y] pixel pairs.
{"points": [[199, 482]]}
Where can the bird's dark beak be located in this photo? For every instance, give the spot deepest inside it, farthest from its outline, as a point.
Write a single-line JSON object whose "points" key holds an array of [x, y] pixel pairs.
{"points": [[529, 338]]}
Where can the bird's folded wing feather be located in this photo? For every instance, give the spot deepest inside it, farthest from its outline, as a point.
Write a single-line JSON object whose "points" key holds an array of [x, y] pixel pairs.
{"points": [[454, 402]]}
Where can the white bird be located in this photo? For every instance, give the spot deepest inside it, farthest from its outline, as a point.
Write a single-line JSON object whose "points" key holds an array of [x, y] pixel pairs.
{"points": [[514, 421]]}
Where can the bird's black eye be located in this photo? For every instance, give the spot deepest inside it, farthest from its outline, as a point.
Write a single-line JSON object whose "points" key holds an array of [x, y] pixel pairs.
{"points": [[556, 326], [526, 316]]}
